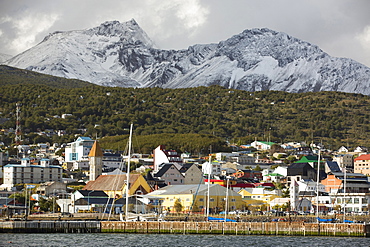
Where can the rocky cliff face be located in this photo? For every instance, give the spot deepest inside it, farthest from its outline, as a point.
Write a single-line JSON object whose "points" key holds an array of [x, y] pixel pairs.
{"points": [[121, 54]]}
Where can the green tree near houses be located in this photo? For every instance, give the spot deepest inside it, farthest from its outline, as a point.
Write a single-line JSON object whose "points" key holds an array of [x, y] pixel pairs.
{"points": [[178, 206]]}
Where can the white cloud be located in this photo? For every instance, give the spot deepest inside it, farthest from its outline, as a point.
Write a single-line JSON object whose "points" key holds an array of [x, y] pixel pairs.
{"points": [[337, 26], [192, 14], [28, 27], [364, 38]]}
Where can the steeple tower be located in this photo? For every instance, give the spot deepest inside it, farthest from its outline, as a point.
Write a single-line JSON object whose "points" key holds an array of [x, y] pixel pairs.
{"points": [[95, 161]]}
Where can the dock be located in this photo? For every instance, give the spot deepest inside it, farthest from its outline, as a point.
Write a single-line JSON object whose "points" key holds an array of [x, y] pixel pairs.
{"points": [[183, 227]]}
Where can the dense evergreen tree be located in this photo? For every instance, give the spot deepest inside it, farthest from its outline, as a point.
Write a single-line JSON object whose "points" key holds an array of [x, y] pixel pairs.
{"points": [[186, 119]]}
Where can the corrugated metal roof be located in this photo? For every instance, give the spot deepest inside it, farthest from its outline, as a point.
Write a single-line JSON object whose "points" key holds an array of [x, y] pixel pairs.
{"points": [[215, 190], [110, 182]]}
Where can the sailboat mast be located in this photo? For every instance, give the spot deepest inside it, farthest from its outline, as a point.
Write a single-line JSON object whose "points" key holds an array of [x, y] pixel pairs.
{"points": [[317, 185], [227, 198], [128, 171], [209, 179], [344, 193]]}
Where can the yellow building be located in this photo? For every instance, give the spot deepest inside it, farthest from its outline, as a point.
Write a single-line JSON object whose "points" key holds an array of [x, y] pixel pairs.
{"points": [[253, 195], [115, 185], [193, 198]]}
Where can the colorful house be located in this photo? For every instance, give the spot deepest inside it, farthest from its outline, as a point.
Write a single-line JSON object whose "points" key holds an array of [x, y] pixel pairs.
{"points": [[362, 164], [115, 185], [193, 198]]}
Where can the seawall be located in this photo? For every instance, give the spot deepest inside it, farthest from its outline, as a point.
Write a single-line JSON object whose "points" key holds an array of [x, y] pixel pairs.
{"points": [[176, 227]]}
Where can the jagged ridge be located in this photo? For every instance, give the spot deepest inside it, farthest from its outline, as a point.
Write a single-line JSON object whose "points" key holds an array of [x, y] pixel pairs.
{"points": [[121, 54]]}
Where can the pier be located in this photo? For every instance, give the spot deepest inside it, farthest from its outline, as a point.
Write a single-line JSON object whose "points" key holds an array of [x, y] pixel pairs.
{"points": [[182, 227]]}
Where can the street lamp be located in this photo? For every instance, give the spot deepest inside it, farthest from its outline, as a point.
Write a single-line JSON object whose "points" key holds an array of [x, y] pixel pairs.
{"points": [[88, 200]]}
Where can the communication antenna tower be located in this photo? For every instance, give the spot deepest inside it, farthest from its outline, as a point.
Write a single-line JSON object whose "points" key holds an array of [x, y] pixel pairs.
{"points": [[18, 137]]}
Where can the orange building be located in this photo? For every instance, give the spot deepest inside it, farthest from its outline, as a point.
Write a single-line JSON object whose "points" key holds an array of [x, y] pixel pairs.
{"points": [[362, 164], [355, 183], [332, 183]]}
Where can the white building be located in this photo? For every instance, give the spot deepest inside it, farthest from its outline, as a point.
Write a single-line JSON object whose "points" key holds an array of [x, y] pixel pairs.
{"points": [[283, 170], [78, 150], [27, 173], [80, 165], [309, 185], [353, 202], [259, 145]]}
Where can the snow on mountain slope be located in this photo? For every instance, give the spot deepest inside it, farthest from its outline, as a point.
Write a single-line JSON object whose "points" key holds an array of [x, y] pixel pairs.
{"points": [[121, 54], [4, 57]]}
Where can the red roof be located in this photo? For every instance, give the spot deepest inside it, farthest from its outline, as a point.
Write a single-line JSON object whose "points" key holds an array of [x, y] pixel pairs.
{"points": [[363, 157]]}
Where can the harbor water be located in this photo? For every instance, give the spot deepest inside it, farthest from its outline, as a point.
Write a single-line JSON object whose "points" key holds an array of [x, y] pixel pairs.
{"points": [[146, 240]]}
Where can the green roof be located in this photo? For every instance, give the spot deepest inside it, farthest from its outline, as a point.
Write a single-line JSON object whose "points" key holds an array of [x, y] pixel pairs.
{"points": [[267, 143], [275, 175], [308, 159]]}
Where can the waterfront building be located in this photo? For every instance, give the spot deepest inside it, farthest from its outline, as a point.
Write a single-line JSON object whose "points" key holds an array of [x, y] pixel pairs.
{"points": [[355, 183], [193, 198], [78, 150], [261, 194], [115, 185], [29, 173], [353, 202]]}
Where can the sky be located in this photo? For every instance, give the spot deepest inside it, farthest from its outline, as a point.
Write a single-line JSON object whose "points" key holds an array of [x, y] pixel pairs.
{"points": [[341, 28]]}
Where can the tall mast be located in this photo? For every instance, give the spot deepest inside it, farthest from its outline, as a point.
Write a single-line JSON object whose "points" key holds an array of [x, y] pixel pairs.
{"points": [[209, 179], [227, 198], [128, 171], [317, 185], [344, 192], [18, 137]]}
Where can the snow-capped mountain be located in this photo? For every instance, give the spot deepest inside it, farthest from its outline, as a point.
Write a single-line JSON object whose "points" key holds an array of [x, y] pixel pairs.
{"points": [[121, 54], [4, 57]]}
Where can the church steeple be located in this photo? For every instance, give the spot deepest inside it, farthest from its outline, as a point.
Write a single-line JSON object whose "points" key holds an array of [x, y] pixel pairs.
{"points": [[95, 161]]}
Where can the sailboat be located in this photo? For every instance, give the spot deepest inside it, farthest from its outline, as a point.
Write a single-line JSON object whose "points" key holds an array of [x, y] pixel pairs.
{"points": [[132, 216]]}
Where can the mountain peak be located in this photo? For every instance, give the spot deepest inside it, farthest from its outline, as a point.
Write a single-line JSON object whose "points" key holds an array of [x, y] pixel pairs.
{"points": [[121, 54], [129, 31]]}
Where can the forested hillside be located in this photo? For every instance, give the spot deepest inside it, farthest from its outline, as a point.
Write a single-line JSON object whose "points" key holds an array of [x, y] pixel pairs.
{"points": [[332, 118]]}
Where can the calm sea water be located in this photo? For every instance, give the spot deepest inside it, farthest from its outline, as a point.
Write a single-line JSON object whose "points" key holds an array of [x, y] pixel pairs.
{"points": [[144, 240]]}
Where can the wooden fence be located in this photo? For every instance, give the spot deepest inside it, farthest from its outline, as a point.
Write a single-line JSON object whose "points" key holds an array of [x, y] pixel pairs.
{"points": [[50, 226], [177, 227], [240, 228]]}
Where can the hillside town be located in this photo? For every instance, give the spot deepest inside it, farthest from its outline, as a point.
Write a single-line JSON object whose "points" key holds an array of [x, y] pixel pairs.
{"points": [[257, 178]]}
